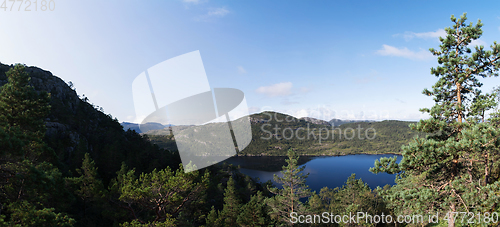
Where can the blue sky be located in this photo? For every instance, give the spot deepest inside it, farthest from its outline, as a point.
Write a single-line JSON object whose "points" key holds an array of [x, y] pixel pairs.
{"points": [[323, 59]]}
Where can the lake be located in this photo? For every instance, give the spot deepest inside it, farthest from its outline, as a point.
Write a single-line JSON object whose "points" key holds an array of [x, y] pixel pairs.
{"points": [[324, 171]]}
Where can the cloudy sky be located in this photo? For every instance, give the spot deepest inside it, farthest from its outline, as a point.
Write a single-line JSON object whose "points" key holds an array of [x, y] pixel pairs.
{"points": [[323, 59]]}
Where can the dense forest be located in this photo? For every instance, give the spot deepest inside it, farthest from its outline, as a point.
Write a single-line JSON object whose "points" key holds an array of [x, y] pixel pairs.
{"points": [[60, 171], [63, 162]]}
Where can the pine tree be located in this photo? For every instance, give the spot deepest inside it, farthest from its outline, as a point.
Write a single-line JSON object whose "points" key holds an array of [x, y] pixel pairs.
{"points": [[25, 214], [254, 213], [22, 113], [286, 200], [89, 187], [29, 184], [161, 196], [231, 208], [353, 197], [480, 105], [212, 219], [250, 189], [443, 171]]}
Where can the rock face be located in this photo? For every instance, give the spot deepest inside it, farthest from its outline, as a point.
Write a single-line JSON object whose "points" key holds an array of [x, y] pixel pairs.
{"points": [[315, 121], [43, 80], [71, 121], [75, 127]]}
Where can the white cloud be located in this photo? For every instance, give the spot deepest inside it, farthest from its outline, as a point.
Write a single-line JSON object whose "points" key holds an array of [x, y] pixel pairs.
{"points": [[241, 70], [218, 12], [301, 113], [404, 52], [423, 35], [477, 42], [280, 89]]}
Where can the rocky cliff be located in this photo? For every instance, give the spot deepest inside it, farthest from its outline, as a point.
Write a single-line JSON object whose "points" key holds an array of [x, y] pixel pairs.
{"points": [[75, 127], [64, 102]]}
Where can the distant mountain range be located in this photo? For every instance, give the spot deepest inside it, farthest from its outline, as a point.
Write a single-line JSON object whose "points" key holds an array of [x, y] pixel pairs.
{"points": [[332, 122], [145, 127], [338, 122], [273, 136], [156, 128]]}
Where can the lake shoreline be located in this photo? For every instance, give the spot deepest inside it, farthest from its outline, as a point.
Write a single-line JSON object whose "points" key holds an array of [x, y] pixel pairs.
{"points": [[337, 168], [319, 155]]}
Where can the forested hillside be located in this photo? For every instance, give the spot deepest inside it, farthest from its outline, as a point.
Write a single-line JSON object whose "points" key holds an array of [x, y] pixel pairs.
{"points": [[274, 133], [66, 163], [75, 126], [63, 162]]}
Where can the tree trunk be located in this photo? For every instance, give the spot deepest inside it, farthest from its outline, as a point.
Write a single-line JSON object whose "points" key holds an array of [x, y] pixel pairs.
{"points": [[459, 101], [486, 169], [451, 221]]}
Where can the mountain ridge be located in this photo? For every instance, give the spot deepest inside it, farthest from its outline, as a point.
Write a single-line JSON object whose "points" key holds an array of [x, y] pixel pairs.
{"points": [[157, 127], [75, 127], [274, 133], [145, 127]]}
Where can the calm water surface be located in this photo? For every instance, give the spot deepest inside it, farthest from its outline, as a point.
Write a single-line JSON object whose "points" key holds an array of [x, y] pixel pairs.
{"points": [[329, 171]]}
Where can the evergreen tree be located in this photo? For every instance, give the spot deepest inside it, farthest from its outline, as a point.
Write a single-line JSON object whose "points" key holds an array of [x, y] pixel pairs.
{"points": [[443, 172], [480, 105], [89, 188], [250, 188], [353, 197], [136, 223], [161, 196], [212, 219], [286, 200], [29, 184], [254, 213], [25, 214], [22, 113], [231, 208]]}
